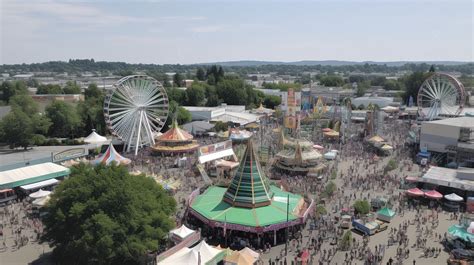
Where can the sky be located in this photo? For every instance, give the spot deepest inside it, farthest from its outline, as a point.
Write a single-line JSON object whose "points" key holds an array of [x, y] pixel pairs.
{"points": [[169, 32]]}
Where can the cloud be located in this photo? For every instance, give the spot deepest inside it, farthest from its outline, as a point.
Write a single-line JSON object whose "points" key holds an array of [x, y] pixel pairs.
{"points": [[54, 12], [207, 29]]}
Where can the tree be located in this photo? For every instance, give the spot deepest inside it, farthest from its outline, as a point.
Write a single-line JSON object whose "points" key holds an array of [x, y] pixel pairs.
{"points": [[24, 103], [72, 88], [220, 126], [177, 80], [10, 89], [362, 88], [271, 101], [212, 99], [200, 74], [17, 129], [49, 90], [330, 188], [195, 95], [346, 241], [232, 91], [104, 215], [393, 85], [331, 80], [182, 115], [432, 69], [413, 83], [177, 95], [391, 165], [362, 206], [64, 117], [91, 110]]}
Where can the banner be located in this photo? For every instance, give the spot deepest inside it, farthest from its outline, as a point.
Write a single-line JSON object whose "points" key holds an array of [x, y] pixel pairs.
{"points": [[70, 154], [212, 148]]}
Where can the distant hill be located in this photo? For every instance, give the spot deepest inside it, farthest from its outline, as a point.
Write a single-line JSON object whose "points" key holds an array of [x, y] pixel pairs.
{"points": [[328, 63]]}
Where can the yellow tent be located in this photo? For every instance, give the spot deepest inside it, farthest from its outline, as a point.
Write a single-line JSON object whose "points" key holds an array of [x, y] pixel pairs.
{"points": [[376, 139], [239, 258], [386, 147]]}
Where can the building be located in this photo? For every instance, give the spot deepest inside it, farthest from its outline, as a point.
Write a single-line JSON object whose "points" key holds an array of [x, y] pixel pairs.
{"points": [[224, 113], [453, 138], [329, 94], [380, 101]]}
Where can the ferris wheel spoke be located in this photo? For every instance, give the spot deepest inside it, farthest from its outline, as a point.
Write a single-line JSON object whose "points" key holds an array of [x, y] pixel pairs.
{"points": [[429, 91]]}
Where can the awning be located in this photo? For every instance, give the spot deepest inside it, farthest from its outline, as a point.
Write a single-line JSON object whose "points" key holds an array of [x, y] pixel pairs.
{"points": [[31, 174], [432, 194], [39, 185], [228, 164], [217, 155], [453, 197], [415, 192]]}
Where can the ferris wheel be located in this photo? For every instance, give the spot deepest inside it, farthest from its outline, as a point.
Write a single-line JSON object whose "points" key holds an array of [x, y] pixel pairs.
{"points": [[135, 109], [440, 95]]}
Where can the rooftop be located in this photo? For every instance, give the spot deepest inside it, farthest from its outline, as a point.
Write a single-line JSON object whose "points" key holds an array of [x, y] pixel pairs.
{"points": [[460, 122]]}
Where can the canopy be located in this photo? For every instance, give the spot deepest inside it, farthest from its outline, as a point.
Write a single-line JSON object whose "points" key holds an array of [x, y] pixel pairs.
{"points": [[460, 232], [31, 174], [390, 109], [331, 134], [94, 138], [202, 253], [41, 201], [326, 129], [40, 194], [412, 179], [175, 134], [227, 164], [376, 139], [240, 135], [182, 232], [318, 147], [217, 155], [386, 147], [250, 252], [387, 212], [111, 156], [453, 197], [415, 192], [239, 258], [432, 194], [40, 184], [330, 155]]}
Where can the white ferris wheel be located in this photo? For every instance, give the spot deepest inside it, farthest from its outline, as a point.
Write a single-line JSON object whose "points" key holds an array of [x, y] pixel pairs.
{"points": [[135, 109], [440, 95]]}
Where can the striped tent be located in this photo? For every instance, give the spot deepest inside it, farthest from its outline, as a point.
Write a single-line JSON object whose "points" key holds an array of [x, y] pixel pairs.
{"points": [[250, 187], [111, 156]]}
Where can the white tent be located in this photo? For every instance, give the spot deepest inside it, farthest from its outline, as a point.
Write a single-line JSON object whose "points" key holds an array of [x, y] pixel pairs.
{"points": [[453, 197], [181, 233], [40, 194], [95, 138], [41, 201], [200, 254], [330, 155], [390, 109], [250, 252]]}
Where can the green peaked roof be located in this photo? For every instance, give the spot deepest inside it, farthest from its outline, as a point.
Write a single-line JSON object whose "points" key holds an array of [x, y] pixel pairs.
{"points": [[250, 187]]}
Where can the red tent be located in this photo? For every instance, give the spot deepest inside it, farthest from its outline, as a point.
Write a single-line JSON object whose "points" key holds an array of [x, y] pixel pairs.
{"points": [[416, 192], [432, 194]]}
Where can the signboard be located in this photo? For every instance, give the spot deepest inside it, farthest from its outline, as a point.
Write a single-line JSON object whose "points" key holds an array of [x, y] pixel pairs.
{"points": [[213, 148], [70, 154]]}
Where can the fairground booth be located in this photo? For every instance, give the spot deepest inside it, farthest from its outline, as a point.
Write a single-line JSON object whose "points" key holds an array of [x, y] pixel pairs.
{"points": [[249, 210], [217, 160], [175, 141]]}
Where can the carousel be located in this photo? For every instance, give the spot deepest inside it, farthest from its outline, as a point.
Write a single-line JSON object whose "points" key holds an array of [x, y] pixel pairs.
{"points": [[297, 156], [175, 141], [250, 204]]}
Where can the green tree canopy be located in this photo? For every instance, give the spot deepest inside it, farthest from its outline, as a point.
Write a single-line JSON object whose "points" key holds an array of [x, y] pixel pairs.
{"points": [[196, 94], [64, 117], [49, 90], [72, 87], [331, 80], [177, 95], [24, 103], [413, 83], [200, 74], [17, 129], [282, 86], [104, 215], [91, 110], [220, 126], [182, 115], [177, 79], [10, 89], [271, 101], [362, 206]]}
